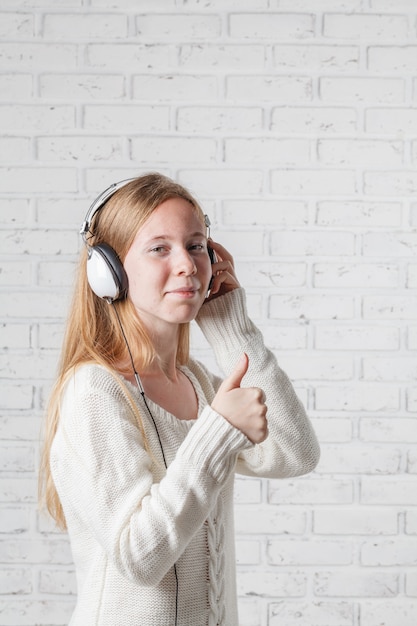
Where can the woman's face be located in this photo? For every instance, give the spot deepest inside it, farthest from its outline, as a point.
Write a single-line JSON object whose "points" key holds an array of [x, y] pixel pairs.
{"points": [[168, 266]]}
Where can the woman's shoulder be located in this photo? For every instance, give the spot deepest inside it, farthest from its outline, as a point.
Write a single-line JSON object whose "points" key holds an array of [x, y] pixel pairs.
{"points": [[90, 378]]}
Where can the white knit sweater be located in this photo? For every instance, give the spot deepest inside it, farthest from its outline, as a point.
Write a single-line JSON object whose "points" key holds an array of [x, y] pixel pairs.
{"points": [[129, 520]]}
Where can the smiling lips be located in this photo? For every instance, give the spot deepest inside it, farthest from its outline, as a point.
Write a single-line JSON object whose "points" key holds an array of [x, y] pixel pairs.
{"points": [[184, 292]]}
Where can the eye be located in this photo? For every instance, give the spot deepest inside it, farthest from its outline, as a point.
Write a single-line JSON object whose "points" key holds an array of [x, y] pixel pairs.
{"points": [[197, 247], [158, 250]]}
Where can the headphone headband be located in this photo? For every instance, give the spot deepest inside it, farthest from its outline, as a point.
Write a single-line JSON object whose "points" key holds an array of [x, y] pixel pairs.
{"points": [[98, 203]]}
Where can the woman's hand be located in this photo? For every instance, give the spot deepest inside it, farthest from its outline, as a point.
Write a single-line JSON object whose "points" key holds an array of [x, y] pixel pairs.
{"points": [[224, 276], [243, 407]]}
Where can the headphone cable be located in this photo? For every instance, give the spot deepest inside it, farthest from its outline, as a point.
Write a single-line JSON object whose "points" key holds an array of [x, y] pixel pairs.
{"points": [[142, 393]]}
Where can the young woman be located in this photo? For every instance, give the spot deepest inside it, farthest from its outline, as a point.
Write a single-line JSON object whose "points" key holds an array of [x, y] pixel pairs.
{"points": [[142, 442]]}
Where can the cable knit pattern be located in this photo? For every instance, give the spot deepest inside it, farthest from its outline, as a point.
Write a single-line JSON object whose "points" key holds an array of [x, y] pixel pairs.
{"points": [[129, 520]]}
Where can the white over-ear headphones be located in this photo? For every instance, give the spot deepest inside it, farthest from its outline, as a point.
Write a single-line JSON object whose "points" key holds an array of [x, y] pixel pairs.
{"points": [[105, 272]]}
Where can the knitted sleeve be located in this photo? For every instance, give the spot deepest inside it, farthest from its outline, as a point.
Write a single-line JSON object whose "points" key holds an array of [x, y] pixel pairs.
{"points": [[291, 448], [103, 476]]}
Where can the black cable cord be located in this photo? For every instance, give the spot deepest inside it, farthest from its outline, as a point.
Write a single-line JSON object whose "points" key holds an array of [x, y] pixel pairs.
{"points": [[142, 393]]}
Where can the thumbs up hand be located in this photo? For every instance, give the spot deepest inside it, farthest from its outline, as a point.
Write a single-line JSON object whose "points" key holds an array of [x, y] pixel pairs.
{"points": [[243, 407]]}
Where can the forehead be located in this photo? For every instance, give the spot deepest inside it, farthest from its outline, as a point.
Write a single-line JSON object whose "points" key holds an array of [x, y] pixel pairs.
{"points": [[171, 216]]}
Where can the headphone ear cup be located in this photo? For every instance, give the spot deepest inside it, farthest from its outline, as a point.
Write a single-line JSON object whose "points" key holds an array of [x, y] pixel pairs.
{"points": [[106, 274]]}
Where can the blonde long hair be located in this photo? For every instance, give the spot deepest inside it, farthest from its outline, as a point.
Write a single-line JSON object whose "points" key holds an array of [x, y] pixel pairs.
{"points": [[93, 332]]}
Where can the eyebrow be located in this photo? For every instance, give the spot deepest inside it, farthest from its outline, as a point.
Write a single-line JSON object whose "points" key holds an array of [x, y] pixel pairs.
{"points": [[197, 233]]}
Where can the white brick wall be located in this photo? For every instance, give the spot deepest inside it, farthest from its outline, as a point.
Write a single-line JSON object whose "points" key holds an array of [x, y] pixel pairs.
{"points": [[295, 122]]}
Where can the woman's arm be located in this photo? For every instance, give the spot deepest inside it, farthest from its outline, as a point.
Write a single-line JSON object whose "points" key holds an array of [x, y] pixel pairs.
{"points": [[291, 447]]}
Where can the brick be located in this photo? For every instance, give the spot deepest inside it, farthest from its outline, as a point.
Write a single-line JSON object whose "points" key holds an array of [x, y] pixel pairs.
{"points": [[373, 27], [18, 490], [389, 613], [310, 307], [17, 26], [181, 27], [230, 57], [224, 182], [355, 275], [302, 552], [356, 584], [260, 212], [86, 87], [389, 491], [265, 150], [359, 459], [58, 581], [360, 89], [125, 118], [39, 241], [15, 273], [342, 337], [360, 152], [388, 430], [16, 395], [37, 179], [389, 369], [133, 55], [313, 182], [24, 56], [20, 427], [402, 244], [307, 613], [247, 490], [355, 521], [271, 26], [312, 243], [169, 149], [269, 520], [15, 212], [401, 59], [335, 58], [282, 89], [357, 397], [15, 336], [63, 212], [318, 367], [16, 87], [216, 119], [271, 584], [400, 183], [16, 305], [52, 274], [15, 149], [247, 552], [283, 337], [277, 274], [49, 551], [389, 308], [359, 213], [332, 430], [14, 520], [313, 120], [310, 491], [35, 612], [385, 553], [175, 88], [15, 458], [36, 117], [69, 26], [391, 121], [80, 149], [412, 400], [15, 581]]}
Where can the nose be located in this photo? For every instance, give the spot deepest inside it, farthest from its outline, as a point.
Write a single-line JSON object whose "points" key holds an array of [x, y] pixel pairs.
{"points": [[185, 263]]}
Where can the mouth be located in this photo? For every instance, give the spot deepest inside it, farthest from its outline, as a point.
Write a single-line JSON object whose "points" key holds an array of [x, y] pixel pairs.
{"points": [[184, 292]]}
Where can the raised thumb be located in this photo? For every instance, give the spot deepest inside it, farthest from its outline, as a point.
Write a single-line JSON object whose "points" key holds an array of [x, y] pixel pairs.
{"points": [[235, 378]]}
